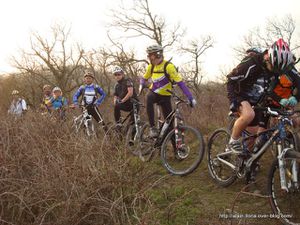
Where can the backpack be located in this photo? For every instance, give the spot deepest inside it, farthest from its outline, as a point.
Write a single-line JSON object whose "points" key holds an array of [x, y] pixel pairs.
{"points": [[165, 71]]}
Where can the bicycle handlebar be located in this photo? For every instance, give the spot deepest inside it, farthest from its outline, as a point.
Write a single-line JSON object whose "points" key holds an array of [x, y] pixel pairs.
{"points": [[180, 100]]}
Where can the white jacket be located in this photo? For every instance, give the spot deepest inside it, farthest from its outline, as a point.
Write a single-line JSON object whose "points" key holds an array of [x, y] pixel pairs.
{"points": [[17, 107]]}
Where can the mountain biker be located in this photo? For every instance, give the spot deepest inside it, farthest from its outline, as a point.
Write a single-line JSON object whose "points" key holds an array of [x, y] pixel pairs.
{"points": [[18, 105], [46, 98], [89, 92], [58, 102], [247, 83], [163, 74], [124, 91]]}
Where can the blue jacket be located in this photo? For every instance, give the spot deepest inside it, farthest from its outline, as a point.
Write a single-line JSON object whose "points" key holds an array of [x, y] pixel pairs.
{"points": [[89, 94], [59, 102]]}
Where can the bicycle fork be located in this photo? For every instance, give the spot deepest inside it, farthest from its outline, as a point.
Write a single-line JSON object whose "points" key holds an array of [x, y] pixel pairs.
{"points": [[285, 172]]}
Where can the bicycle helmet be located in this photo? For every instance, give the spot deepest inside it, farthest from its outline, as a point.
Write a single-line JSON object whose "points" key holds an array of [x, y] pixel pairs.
{"points": [[46, 86], [255, 50], [280, 55], [15, 92], [117, 69], [154, 49], [88, 74], [56, 89]]}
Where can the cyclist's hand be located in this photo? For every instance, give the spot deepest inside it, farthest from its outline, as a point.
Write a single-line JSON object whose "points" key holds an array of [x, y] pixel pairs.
{"points": [[193, 102], [118, 101], [292, 101], [284, 102]]}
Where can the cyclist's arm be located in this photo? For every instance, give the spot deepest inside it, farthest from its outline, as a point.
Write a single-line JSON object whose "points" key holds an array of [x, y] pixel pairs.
{"points": [[237, 76], [24, 105], [77, 95], [147, 75], [102, 95], [177, 78], [129, 94]]}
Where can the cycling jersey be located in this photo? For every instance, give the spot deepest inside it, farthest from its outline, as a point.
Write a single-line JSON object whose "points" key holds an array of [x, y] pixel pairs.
{"points": [[121, 88], [161, 83], [89, 94], [249, 80], [58, 103]]}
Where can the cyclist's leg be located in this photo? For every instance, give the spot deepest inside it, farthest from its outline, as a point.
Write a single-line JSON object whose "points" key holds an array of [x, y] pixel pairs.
{"points": [[151, 99], [247, 114], [94, 112]]}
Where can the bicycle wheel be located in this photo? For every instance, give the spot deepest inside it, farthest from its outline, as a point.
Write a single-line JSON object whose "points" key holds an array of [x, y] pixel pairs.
{"points": [[221, 173], [133, 138], [183, 159], [90, 129], [144, 146], [285, 204]]}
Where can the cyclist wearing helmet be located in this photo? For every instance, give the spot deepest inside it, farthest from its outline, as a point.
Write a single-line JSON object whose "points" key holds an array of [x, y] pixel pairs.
{"points": [[58, 102], [18, 105], [46, 98], [124, 90], [163, 74], [89, 93], [253, 51], [242, 81]]}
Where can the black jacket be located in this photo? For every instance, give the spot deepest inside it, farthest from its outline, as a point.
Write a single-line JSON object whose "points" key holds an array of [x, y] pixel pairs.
{"points": [[121, 88], [249, 80]]}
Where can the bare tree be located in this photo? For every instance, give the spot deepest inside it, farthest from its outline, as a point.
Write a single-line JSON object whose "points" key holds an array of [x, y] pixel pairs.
{"points": [[275, 28], [53, 61], [140, 21], [195, 49]]}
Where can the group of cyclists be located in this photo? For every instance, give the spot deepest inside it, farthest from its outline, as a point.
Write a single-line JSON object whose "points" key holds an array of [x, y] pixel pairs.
{"points": [[163, 75], [266, 78]]}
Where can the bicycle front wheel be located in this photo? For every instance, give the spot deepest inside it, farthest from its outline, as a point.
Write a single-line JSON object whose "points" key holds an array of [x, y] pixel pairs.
{"points": [[285, 203], [221, 172], [182, 158]]}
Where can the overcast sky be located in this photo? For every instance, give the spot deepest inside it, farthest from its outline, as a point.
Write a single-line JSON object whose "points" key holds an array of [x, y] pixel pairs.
{"points": [[227, 21]]}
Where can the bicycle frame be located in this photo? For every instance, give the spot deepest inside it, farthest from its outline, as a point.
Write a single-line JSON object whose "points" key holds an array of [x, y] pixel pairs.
{"points": [[175, 117], [84, 119], [278, 134]]}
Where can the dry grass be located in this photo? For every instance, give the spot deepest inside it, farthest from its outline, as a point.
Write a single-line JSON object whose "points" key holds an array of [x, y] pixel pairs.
{"points": [[48, 175]]}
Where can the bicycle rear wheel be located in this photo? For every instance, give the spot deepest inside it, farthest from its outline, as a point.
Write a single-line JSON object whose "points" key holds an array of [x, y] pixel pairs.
{"points": [[185, 158], [221, 173], [284, 204]]}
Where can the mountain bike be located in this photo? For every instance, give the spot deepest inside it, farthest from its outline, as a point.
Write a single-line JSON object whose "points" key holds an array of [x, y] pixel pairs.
{"points": [[181, 148], [130, 130], [85, 122], [283, 180], [225, 166]]}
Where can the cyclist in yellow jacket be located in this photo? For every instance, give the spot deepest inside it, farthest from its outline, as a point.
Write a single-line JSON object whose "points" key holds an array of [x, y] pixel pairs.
{"points": [[163, 75]]}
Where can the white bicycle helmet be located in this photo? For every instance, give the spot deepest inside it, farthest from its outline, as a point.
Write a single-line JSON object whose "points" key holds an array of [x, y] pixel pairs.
{"points": [[154, 48], [117, 69], [56, 89], [280, 55], [15, 92]]}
